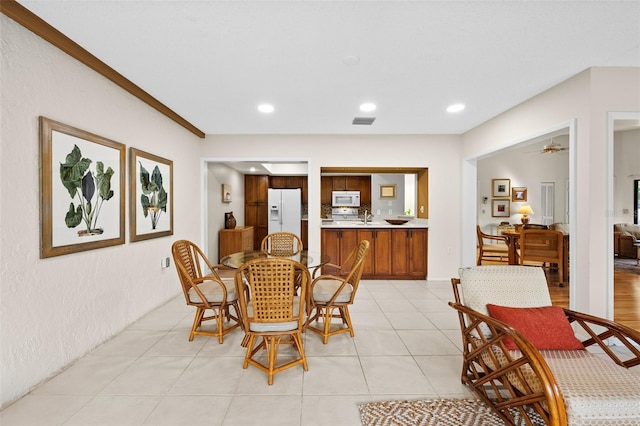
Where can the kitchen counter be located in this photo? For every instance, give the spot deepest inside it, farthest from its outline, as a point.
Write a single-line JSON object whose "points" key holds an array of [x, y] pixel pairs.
{"points": [[415, 223]]}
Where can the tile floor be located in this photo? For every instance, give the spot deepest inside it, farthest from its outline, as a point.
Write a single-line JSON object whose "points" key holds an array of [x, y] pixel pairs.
{"points": [[407, 346]]}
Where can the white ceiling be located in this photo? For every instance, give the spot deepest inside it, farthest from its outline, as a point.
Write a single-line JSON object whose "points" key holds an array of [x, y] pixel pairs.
{"points": [[213, 62]]}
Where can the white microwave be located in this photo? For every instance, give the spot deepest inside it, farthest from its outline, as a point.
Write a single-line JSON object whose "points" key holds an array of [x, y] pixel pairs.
{"points": [[345, 198]]}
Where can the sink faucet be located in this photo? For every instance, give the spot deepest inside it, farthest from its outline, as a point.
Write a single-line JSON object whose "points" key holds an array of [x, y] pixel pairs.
{"points": [[365, 216]]}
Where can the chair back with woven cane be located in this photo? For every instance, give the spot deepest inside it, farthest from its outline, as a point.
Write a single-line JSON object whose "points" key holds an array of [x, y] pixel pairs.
{"points": [[272, 312], [538, 245], [283, 244], [498, 252], [330, 295], [205, 290]]}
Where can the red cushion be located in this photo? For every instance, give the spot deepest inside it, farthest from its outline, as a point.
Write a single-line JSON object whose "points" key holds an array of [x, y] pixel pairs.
{"points": [[546, 327]]}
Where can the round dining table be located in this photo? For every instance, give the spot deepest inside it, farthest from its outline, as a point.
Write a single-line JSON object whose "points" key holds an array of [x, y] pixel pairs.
{"points": [[309, 258]]}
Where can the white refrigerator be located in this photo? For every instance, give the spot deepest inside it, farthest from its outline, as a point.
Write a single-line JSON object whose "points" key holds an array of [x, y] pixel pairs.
{"points": [[285, 210]]}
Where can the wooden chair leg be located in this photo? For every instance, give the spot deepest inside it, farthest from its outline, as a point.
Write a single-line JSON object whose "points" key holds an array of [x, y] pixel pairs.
{"points": [[197, 322]]}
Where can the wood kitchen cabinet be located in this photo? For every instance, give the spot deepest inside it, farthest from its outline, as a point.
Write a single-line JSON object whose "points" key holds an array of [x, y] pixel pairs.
{"points": [[326, 186], [235, 240], [409, 253], [346, 183], [290, 182], [365, 190], [256, 193], [304, 233], [338, 244], [378, 260]]}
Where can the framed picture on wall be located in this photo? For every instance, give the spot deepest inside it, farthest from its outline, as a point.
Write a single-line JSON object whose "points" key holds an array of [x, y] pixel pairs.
{"points": [[388, 191], [501, 187], [500, 208], [518, 194], [151, 196], [82, 187]]}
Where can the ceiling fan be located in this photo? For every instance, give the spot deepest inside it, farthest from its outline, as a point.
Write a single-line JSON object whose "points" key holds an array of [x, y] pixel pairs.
{"points": [[552, 148]]}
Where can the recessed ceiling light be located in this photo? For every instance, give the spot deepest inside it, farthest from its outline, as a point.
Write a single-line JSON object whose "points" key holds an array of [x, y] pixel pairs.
{"points": [[266, 108], [367, 107], [455, 108]]}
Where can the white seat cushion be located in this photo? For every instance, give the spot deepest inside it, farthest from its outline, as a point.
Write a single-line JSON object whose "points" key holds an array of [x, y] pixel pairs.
{"points": [[213, 292], [274, 326], [324, 290], [595, 390]]}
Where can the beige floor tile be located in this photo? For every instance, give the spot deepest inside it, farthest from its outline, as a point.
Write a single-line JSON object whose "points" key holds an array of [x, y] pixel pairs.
{"points": [[264, 410], [148, 376], [427, 342], [332, 410], [115, 410], [379, 342], [394, 375], [42, 410], [339, 375], [191, 410]]}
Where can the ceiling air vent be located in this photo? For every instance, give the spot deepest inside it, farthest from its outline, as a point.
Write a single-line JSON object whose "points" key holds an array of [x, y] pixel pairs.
{"points": [[367, 121]]}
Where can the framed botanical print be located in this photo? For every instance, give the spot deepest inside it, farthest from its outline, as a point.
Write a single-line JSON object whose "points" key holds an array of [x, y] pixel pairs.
{"points": [[151, 196], [82, 185], [500, 187], [500, 208], [518, 194]]}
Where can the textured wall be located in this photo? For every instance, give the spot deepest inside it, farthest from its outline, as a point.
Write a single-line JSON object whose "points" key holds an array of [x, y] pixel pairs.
{"points": [[53, 311]]}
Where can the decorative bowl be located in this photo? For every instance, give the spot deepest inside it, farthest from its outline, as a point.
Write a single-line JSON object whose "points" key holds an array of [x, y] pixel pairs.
{"points": [[397, 221]]}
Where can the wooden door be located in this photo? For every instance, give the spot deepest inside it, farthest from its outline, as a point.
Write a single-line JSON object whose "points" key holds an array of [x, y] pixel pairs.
{"points": [[369, 261], [418, 253], [339, 183], [352, 183], [382, 254], [399, 250], [330, 246], [326, 186], [365, 190]]}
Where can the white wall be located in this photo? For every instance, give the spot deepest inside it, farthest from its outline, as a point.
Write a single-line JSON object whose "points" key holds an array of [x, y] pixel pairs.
{"points": [[584, 99], [440, 153], [54, 310], [627, 169]]}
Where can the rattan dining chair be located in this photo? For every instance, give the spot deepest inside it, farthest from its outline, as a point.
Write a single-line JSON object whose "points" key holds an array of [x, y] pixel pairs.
{"points": [[281, 244], [204, 289], [496, 252], [272, 312], [546, 246], [330, 293]]}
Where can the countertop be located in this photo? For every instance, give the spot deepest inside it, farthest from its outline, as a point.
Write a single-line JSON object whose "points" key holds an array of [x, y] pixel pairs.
{"points": [[414, 223]]}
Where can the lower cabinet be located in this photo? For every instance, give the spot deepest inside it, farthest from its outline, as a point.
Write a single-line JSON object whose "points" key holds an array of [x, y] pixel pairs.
{"points": [[409, 248], [378, 261], [337, 244], [393, 253]]}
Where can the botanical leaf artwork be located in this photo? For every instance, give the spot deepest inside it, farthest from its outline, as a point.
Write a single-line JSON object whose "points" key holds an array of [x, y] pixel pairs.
{"points": [[153, 198], [81, 184]]}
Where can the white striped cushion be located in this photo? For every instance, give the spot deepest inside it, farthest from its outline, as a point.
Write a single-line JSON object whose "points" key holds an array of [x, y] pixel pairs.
{"points": [[213, 292], [324, 290]]}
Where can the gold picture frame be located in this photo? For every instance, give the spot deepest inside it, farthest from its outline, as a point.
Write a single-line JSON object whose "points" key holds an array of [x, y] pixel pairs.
{"points": [[82, 190], [500, 207], [388, 191], [150, 196], [518, 194], [501, 187]]}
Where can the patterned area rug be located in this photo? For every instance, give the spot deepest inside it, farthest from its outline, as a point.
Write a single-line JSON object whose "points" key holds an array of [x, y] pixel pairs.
{"points": [[626, 265], [441, 412]]}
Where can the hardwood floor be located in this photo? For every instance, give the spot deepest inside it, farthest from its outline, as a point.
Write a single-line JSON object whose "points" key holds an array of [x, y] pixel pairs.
{"points": [[626, 296]]}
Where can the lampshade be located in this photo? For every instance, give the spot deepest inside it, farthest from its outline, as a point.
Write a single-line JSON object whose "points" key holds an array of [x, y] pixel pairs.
{"points": [[525, 209]]}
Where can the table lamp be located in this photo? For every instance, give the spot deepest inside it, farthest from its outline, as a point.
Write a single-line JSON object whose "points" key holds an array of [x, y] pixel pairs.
{"points": [[524, 210]]}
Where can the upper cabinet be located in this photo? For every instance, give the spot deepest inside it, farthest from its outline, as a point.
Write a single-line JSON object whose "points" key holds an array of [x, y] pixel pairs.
{"points": [[345, 183], [290, 182]]}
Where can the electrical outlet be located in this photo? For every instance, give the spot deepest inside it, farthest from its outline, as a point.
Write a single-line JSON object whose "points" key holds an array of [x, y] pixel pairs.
{"points": [[378, 212], [167, 262], [390, 211], [449, 250]]}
